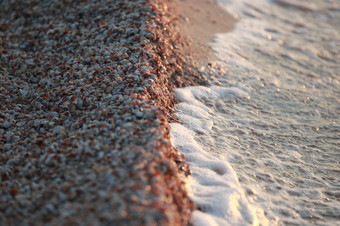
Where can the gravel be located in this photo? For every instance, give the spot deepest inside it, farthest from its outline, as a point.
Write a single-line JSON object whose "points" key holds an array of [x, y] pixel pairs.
{"points": [[85, 101]]}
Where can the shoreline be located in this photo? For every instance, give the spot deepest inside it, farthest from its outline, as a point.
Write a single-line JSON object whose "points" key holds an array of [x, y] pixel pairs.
{"points": [[75, 130]]}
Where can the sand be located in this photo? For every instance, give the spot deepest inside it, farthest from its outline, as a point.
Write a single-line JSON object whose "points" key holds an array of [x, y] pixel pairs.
{"points": [[198, 21]]}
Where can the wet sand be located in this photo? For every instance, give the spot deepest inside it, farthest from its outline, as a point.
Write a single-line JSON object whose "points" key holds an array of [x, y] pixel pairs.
{"points": [[198, 21]]}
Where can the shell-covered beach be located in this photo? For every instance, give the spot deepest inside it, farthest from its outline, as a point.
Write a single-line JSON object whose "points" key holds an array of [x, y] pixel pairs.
{"points": [[86, 97]]}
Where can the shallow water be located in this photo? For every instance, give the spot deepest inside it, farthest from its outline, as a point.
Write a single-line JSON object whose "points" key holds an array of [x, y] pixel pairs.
{"points": [[281, 132]]}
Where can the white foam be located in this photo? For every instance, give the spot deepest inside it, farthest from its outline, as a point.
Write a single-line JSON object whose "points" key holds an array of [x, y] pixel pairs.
{"points": [[214, 186], [194, 94]]}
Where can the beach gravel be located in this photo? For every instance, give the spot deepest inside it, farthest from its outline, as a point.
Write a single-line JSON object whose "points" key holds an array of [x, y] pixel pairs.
{"points": [[85, 101]]}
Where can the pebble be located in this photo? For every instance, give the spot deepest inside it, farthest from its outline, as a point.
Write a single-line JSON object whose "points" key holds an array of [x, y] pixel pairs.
{"points": [[6, 125], [139, 114], [58, 129], [36, 123], [85, 103]]}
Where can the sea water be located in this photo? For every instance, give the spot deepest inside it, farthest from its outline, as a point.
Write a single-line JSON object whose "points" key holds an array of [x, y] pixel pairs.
{"points": [[263, 141]]}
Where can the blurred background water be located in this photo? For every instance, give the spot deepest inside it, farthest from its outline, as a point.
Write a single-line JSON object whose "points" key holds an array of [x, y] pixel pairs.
{"points": [[283, 137]]}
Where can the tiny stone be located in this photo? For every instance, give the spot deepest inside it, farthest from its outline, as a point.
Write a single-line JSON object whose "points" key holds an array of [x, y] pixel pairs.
{"points": [[101, 154], [50, 208], [23, 92], [58, 129], [36, 123], [141, 89], [139, 114], [6, 125]]}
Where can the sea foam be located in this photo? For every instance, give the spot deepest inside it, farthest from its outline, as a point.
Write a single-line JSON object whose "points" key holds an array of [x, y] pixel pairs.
{"points": [[213, 185]]}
